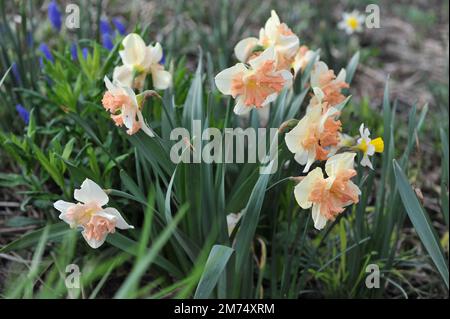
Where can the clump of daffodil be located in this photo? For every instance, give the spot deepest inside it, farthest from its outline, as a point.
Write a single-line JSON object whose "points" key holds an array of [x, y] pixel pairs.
{"points": [[368, 146], [351, 22]]}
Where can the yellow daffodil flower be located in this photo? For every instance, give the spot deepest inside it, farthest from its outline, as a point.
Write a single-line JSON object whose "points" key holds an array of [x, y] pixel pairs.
{"points": [[368, 146]]}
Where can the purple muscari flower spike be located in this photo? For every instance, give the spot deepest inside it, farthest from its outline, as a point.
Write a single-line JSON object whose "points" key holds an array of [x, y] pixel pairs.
{"points": [[105, 28], [107, 41], [46, 52], [121, 28], [84, 52], [54, 15], [23, 113], [74, 52], [163, 59], [16, 73]]}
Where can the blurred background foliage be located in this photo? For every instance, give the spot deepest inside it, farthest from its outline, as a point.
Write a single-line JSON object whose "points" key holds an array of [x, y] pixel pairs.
{"points": [[54, 133]]}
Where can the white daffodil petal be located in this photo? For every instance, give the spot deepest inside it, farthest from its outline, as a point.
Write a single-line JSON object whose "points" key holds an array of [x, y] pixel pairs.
{"points": [[134, 49], [288, 44], [94, 243], [303, 189], [295, 136], [318, 93], [271, 26], [62, 206], [243, 48], [124, 75], [269, 99], [128, 116], [156, 53], [301, 157], [120, 221], [240, 108], [91, 192], [111, 87], [361, 130], [319, 220], [319, 68], [224, 79], [370, 149], [147, 130], [310, 161], [161, 78], [267, 55], [129, 91], [366, 161], [339, 162]]}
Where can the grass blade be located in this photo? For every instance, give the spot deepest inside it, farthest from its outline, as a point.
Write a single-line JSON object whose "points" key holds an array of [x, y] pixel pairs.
{"points": [[421, 222], [215, 265]]}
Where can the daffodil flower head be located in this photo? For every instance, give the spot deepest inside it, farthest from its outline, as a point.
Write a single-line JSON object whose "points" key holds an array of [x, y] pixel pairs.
{"points": [[352, 22], [328, 196], [301, 60], [138, 61], [368, 146], [254, 86], [89, 214], [122, 103], [329, 84], [315, 137], [274, 34]]}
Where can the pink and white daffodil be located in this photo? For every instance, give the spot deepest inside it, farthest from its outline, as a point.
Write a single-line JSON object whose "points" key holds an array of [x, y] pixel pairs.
{"points": [[329, 196], [303, 57], [315, 137], [255, 86], [274, 34], [122, 103], [89, 214], [326, 84]]}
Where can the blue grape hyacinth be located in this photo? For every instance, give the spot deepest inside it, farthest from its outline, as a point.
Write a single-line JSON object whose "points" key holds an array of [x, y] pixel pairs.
{"points": [[54, 15]]}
